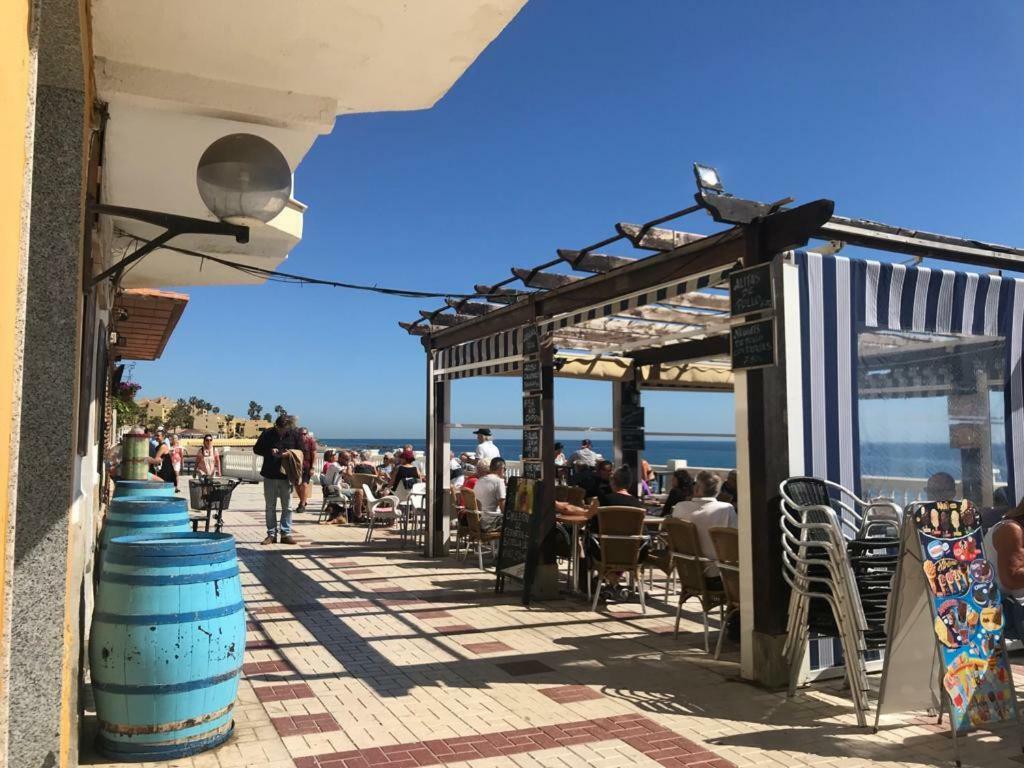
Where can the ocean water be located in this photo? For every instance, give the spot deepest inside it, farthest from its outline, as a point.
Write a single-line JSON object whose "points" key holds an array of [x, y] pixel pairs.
{"points": [[888, 459]]}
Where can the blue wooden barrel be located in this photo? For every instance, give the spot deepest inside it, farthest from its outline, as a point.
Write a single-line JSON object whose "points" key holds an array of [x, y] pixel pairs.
{"points": [[142, 488], [144, 515], [167, 643]]}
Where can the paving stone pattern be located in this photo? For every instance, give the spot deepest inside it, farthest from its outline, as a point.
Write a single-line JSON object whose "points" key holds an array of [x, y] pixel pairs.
{"points": [[370, 655]]}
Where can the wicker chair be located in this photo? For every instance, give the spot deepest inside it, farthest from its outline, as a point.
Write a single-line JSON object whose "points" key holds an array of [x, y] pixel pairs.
{"points": [[727, 557], [476, 535], [620, 539], [690, 563]]}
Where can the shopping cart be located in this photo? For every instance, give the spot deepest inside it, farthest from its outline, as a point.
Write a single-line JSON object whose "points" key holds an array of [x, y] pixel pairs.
{"points": [[211, 496]]}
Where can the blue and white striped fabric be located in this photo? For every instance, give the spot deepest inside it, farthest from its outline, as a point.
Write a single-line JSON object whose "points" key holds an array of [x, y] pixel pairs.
{"points": [[840, 297]]}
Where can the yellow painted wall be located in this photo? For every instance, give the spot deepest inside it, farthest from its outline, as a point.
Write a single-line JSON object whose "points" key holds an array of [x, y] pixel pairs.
{"points": [[14, 121]]}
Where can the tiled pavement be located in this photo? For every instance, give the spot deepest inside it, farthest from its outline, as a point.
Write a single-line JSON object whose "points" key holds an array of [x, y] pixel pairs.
{"points": [[362, 656]]}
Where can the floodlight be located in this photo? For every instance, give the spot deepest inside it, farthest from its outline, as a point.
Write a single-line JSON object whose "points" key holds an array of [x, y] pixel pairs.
{"points": [[707, 178]]}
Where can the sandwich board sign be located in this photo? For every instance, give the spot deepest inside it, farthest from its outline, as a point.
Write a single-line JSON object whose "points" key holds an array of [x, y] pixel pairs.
{"points": [[946, 648]]}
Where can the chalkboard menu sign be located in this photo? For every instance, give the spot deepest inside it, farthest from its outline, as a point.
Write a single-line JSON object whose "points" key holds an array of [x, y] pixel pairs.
{"points": [[518, 534], [531, 376], [753, 344], [633, 440], [750, 290], [531, 340], [531, 411], [531, 443], [532, 470]]}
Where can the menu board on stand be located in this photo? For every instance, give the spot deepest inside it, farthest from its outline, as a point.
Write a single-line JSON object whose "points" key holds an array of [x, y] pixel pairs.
{"points": [[946, 646], [518, 548]]}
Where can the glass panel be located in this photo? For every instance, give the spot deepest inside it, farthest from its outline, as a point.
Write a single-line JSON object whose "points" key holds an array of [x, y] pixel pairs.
{"points": [[931, 417]]}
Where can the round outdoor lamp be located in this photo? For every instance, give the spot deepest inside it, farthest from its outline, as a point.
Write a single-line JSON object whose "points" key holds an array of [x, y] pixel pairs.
{"points": [[242, 178]]}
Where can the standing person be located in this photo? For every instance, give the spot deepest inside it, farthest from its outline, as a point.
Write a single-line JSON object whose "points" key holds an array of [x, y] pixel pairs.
{"points": [[207, 459], [485, 448], [272, 444], [162, 461], [177, 460], [308, 460], [156, 441]]}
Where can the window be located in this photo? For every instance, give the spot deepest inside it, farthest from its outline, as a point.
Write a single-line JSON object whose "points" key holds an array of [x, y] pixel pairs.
{"points": [[931, 417]]}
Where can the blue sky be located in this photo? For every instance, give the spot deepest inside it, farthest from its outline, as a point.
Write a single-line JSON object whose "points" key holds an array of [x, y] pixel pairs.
{"points": [[587, 112]]}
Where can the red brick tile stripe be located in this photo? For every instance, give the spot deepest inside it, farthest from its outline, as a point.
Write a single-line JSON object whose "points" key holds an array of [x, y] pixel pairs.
{"points": [[299, 725], [283, 692], [642, 734], [495, 646], [570, 694]]}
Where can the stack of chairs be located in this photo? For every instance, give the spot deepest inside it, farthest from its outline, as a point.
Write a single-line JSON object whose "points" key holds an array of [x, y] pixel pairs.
{"points": [[873, 557], [818, 519]]}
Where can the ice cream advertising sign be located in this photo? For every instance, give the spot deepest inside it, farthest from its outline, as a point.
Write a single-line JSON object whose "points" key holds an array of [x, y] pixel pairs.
{"points": [[968, 616]]}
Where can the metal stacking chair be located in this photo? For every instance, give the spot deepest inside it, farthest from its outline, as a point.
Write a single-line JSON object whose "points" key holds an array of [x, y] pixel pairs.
{"points": [[817, 519]]}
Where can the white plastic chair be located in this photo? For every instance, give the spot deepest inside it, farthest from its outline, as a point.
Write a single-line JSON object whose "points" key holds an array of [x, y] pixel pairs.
{"points": [[384, 509]]}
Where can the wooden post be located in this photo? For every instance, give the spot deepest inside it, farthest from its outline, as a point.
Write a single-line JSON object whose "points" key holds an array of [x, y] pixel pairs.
{"points": [[438, 473], [763, 442], [627, 415]]}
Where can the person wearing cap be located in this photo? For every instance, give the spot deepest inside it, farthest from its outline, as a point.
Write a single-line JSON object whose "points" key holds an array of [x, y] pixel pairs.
{"points": [[485, 448]]}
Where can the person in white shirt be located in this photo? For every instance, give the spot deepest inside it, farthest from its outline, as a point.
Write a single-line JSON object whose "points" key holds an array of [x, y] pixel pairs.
{"points": [[490, 495], [485, 448], [559, 455], [455, 470], [706, 512], [585, 456]]}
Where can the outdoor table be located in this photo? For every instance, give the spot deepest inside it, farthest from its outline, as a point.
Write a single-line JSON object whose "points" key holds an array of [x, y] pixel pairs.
{"points": [[574, 522]]}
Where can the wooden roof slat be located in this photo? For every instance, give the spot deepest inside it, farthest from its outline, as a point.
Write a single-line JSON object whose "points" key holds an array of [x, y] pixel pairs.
{"points": [[502, 295], [656, 238], [438, 318], [470, 307], [546, 281], [593, 262]]}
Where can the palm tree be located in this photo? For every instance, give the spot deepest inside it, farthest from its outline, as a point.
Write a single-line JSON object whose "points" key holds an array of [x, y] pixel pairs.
{"points": [[254, 409], [267, 417]]}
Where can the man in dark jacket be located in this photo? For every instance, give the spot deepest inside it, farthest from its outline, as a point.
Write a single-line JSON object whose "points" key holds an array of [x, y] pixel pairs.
{"points": [[271, 445]]}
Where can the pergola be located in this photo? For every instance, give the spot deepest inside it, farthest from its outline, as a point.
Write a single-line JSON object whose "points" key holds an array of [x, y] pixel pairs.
{"points": [[661, 317]]}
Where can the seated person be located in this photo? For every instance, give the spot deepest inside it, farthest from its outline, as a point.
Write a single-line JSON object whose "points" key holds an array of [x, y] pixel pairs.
{"points": [[706, 512], [482, 468], [456, 474], [682, 490], [940, 487], [1006, 549], [620, 491], [406, 473], [598, 482], [729, 494], [490, 495], [363, 466]]}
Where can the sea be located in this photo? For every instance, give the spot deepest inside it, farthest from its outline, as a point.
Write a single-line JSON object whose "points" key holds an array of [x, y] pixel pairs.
{"points": [[889, 459]]}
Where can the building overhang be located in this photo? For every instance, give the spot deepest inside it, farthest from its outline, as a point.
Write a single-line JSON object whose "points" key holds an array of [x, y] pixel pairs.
{"points": [[146, 318], [177, 76]]}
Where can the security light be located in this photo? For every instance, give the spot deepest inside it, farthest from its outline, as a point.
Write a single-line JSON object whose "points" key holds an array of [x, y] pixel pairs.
{"points": [[707, 178], [243, 177]]}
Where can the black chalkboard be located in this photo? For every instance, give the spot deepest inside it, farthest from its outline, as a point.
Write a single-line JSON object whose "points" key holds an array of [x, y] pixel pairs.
{"points": [[531, 443], [750, 290], [531, 376], [518, 535], [531, 340], [631, 417], [533, 470], [633, 440], [753, 344], [531, 411]]}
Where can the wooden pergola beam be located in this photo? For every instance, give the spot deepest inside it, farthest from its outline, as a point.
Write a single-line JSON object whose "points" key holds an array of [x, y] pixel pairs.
{"points": [[545, 281], [699, 349], [698, 257], [439, 318], [598, 263], [470, 307], [656, 238], [502, 295]]}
